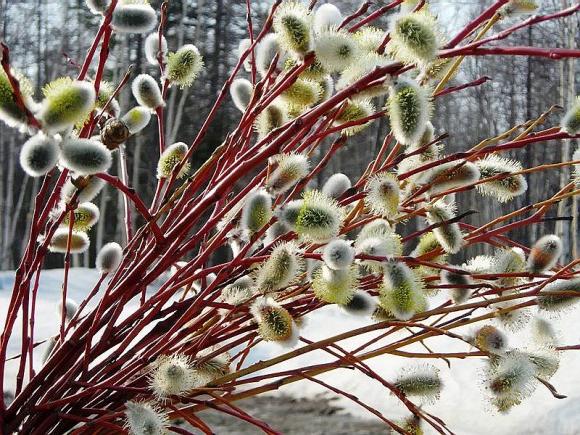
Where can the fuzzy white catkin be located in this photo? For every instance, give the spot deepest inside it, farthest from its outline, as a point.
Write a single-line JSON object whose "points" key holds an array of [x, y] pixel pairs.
{"points": [[48, 348], [326, 16], [67, 102], [151, 49], [85, 156], [98, 7], [134, 18], [88, 193], [109, 257], [71, 308], [144, 418], [146, 91], [242, 47], [545, 253], [336, 50], [79, 241], [336, 185], [39, 155], [241, 91], [361, 304], [338, 254], [137, 119], [265, 52]]}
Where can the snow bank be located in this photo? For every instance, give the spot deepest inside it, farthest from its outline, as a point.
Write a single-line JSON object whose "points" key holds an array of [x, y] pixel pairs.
{"points": [[462, 405]]}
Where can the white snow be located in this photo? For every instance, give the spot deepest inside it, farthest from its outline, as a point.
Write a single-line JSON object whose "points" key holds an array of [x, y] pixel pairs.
{"points": [[462, 405]]}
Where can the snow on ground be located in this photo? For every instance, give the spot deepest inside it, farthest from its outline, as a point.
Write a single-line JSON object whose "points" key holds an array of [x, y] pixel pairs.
{"points": [[462, 405]]}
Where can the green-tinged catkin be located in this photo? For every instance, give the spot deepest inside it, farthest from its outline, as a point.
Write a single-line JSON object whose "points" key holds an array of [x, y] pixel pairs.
{"points": [[335, 286], [257, 211], [415, 38], [510, 380], [509, 261], [238, 292], [409, 109], [319, 218], [559, 295], [169, 160], [66, 103], [271, 118], [377, 239], [383, 195], [292, 21], [354, 110], [448, 235], [508, 186], [85, 216], [207, 370], [302, 92], [289, 170], [336, 50], [402, 292], [420, 381], [571, 121], [519, 7], [10, 112], [275, 323], [184, 65], [137, 119], [281, 268]]}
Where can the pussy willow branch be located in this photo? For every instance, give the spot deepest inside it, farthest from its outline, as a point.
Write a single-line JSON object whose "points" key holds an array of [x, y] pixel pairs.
{"points": [[146, 259]]}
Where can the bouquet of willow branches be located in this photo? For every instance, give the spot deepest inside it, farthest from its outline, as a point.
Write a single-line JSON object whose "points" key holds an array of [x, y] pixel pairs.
{"points": [[310, 76]]}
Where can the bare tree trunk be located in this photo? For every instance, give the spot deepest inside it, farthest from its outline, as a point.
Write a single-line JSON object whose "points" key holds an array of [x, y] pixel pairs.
{"points": [[6, 260], [567, 94], [100, 236], [175, 114]]}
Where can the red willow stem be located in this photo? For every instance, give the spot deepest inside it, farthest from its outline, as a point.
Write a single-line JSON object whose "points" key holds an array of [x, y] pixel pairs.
{"points": [[129, 193], [471, 84], [21, 282], [18, 97], [66, 271], [145, 260], [93, 48], [251, 34], [32, 320], [209, 119], [550, 53], [363, 8], [374, 15], [476, 23], [535, 19]]}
